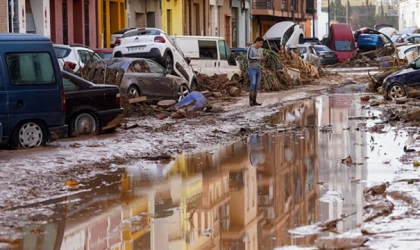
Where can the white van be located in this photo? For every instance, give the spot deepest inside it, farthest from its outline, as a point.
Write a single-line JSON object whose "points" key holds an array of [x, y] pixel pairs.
{"points": [[209, 55]]}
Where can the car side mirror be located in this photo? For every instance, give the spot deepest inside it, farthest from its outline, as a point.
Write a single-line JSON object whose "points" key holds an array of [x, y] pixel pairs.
{"points": [[188, 60], [411, 65]]}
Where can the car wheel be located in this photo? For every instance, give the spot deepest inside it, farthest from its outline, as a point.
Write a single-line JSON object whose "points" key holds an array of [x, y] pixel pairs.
{"points": [[84, 123], [183, 91], [235, 77], [28, 135], [396, 90], [194, 85], [168, 64], [133, 92]]}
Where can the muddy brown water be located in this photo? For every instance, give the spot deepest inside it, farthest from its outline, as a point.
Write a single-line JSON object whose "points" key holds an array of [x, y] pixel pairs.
{"points": [[243, 196]]}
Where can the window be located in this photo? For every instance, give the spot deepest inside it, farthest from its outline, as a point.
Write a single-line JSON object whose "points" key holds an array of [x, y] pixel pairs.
{"points": [[207, 49], [418, 63], [302, 50], [138, 67], [287, 35], [30, 68], [87, 56], [343, 45], [68, 85], [142, 32], [62, 52], [222, 50], [155, 68]]}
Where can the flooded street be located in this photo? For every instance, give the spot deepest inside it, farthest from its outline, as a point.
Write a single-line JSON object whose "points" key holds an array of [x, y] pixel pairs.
{"points": [[310, 163]]}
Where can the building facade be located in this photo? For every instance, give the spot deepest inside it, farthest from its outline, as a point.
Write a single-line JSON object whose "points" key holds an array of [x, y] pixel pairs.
{"points": [[4, 10]]}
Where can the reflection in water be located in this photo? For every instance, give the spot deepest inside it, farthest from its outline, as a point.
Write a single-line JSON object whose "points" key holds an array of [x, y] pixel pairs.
{"points": [[245, 196]]}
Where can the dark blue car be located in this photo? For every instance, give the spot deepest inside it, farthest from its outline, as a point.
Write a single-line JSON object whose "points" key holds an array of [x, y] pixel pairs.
{"points": [[403, 83]]}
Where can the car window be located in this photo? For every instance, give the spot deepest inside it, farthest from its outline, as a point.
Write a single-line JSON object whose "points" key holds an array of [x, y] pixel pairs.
{"points": [[62, 52], [287, 35], [140, 32], [105, 55], [417, 62], [302, 50], [344, 45], [30, 68], [138, 67], [155, 68], [410, 50], [207, 49], [416, 39], [222, 50], [322, 48], [86, 56], [68, 85]]}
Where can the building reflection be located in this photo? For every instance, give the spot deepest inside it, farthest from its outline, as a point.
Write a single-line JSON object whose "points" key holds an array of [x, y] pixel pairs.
{"points": [[244, 196]]}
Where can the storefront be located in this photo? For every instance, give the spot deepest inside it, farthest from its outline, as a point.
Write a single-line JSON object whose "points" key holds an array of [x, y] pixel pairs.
{"points": [[111, 18]]}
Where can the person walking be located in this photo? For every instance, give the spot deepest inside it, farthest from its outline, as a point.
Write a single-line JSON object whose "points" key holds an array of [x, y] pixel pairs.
{"points": [[254, 56]]}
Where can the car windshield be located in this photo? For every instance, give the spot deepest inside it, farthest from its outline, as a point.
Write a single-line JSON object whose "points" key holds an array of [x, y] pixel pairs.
{"points": [[322, 48], [344, 45], [105, 55]]}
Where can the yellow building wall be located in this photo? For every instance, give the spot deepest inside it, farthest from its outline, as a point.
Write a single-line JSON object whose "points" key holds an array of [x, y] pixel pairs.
{"points": [[172, 17], [115, 19]]}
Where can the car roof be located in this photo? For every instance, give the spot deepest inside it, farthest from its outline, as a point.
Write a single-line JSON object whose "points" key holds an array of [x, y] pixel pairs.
{"points": [[122, 31], [22, 37], [200, 37], [103, 50], [120, 62]]}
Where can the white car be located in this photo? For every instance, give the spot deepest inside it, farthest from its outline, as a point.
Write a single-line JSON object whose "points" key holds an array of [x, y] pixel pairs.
{"points": [[409, 52], [74, 56], [285, 33], [155, 44], [308, 53], [115, 37]]}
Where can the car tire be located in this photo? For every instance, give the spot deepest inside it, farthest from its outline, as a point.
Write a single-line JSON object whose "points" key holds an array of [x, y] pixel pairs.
{"points": [[194, 85], [84, 123], [168, 64], [133, 92], [235, 77], [396, 90], [183, 91], [29, 134]]}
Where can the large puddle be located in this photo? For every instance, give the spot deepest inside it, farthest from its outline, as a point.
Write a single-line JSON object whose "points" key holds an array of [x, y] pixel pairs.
{"points": [[244, 196]]}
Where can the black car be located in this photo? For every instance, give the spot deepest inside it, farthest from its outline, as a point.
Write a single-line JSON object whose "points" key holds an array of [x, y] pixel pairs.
{"points": [[403, 83], [326, 55], [90, 108]]}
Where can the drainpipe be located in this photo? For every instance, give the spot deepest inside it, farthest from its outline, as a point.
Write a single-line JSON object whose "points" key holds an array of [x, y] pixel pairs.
{"points": [[293, 9]]}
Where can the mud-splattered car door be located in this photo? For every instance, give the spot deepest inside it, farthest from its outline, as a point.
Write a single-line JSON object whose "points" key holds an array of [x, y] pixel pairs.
{"points": [[413, 79], [164, 85]]}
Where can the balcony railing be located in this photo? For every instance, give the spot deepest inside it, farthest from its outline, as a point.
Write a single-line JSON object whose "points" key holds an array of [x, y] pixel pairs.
{"points": [[262, 5]]}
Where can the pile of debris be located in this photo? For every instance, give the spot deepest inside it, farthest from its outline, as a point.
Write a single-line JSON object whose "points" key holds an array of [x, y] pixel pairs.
{"points": [[219, 86], [282, 69]]}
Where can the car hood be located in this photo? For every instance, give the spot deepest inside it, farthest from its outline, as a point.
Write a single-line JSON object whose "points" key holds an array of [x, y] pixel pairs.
{"points": [[278, 29], [401, 72]]}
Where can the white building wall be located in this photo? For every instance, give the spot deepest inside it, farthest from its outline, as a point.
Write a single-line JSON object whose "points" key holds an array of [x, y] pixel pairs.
{"points": [[409, 13], [41, 15], [321, 23]]}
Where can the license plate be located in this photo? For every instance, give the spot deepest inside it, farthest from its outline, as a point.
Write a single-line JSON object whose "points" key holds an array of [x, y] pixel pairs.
{"points": [[328, 55], [132, 49]]}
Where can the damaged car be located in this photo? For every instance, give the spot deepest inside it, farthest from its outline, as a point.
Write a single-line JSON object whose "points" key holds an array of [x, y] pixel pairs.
{"points": [[90, 108], [145, 77], [403, 83]]}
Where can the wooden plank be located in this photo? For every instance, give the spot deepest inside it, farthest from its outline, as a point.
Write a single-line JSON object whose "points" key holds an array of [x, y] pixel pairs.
{"points": [[137, 99]]}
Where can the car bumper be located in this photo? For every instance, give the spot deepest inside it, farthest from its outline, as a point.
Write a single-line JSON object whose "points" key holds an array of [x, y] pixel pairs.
{"points": [[110, 119], [332, 60], [153, 54], [58, 132]]}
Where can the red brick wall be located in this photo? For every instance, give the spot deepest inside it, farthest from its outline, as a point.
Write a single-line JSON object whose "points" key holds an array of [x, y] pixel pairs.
{"points": [[3, 16]]}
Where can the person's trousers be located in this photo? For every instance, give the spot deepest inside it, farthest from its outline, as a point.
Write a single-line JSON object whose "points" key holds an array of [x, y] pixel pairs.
{"points": [[254, 79]]}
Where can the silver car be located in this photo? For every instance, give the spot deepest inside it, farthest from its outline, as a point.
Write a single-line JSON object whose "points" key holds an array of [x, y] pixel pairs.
{"points": [[145, 77]]}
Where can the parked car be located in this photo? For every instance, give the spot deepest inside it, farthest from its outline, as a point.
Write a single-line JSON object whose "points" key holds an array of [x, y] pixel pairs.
{"points": [[239, 53], [32, 102], [326, 55], [118, 34], [308, 53], [104, 53], [152, 43], [209, 55], [284, 33], [341, 41], [145, 77], [74, 56], [91, 108], [409, 52], [403, 83], [312, 40]]}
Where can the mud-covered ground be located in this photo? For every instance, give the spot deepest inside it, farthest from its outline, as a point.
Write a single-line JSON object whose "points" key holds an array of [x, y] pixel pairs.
{"points": [[34, 175]]}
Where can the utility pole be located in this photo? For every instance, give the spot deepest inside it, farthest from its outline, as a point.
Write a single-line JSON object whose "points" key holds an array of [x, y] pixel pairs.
{"points": [[293, 9]]}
